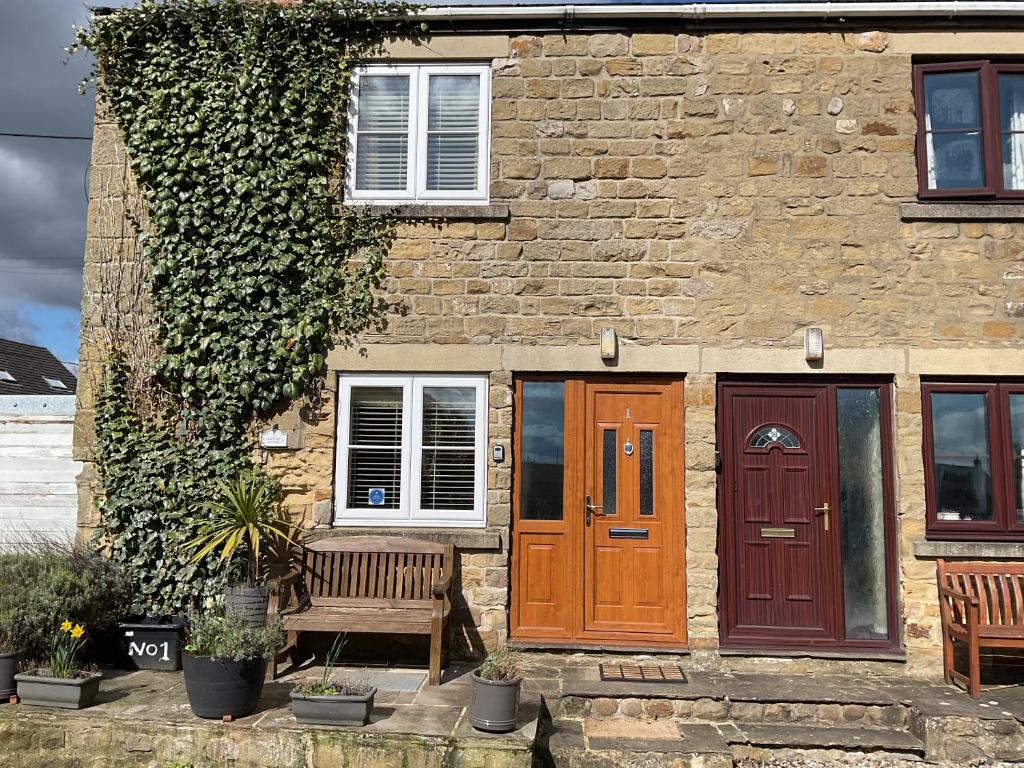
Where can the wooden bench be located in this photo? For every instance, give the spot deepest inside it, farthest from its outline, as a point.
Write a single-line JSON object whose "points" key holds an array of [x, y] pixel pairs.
{"points": [[374, 584], [982, 606]]}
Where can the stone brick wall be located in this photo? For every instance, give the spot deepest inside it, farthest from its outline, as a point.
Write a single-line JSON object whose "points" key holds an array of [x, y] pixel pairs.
{"points": [[708, 196]]}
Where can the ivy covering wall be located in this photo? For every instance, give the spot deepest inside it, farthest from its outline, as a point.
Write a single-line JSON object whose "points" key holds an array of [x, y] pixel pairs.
{"points": [[233, 115]]}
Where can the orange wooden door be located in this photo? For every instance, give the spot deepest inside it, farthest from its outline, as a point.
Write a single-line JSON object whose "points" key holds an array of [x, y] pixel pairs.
{"points": [[620, 579], [632, 514]]}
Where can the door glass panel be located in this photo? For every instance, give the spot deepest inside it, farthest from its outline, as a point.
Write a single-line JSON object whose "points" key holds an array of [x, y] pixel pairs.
{"points": [[1017, 453], [542, 444], [862, 514], [963, 474], [609, 457], [646, 472]]}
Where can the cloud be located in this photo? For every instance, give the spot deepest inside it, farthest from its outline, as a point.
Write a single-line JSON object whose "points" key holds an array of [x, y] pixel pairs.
{"points": [[42, 182]]}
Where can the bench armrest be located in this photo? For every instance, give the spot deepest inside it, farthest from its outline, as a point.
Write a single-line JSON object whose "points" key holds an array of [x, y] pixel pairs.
{"points": [[969, 607], [277, 583], [278, 588], [440, 589]]}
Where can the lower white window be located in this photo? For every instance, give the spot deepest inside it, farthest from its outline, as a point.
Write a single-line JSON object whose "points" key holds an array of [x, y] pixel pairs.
{"points": [[411, 451]]}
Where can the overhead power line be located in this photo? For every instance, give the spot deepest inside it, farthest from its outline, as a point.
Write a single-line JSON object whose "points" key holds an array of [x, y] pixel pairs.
{"points": [[11, 135]]}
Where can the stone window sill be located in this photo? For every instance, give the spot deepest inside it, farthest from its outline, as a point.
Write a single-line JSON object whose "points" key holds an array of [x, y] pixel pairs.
{"points": [[463, 539], [496, 212], [997, 550], [962, 212]]}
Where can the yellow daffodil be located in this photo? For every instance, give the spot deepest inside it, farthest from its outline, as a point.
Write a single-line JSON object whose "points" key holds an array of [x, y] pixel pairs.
{"points": [[66, 626], [78, 631]]}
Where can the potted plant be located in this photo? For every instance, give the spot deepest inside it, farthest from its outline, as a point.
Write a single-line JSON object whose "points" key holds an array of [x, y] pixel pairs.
{"points": [[64, 683], [11, 653], [494, 697], [247, 517], [330, 700], [225, 662]]}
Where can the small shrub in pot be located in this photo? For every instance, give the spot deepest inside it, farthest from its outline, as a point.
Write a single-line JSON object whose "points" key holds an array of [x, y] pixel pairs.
{"points": [[225, 662], [494, 698], [64, 683], [333, 700]]}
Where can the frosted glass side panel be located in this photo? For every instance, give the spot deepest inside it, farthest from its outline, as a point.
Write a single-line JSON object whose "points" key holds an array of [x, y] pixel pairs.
{"points": [[862, 512]]}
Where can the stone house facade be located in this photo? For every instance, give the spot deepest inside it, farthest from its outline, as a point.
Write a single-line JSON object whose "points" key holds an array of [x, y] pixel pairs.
{"points": [[674, 213]]}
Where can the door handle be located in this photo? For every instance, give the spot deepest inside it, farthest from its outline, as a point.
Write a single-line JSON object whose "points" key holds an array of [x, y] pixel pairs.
{"points": [[823, 510], [591, 509]]}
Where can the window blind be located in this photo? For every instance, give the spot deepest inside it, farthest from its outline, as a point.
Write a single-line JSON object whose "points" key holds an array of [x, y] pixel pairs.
{"points": [[448, 474], [375, 446], [382, 133], [453, 130]]}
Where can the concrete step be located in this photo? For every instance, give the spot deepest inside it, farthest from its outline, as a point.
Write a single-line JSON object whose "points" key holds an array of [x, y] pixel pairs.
{"points": [[809, 737], [663, 743]]}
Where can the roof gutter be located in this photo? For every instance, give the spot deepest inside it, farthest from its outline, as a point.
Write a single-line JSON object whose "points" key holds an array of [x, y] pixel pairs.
{"points": [[698, 11]]}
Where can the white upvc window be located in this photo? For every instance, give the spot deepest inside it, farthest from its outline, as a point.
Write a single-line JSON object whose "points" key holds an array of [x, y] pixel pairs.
{"points": [[419, 133], [411, 451]]}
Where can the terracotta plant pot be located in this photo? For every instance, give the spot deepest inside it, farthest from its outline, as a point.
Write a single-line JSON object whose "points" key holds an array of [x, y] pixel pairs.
{"points": [[494, 704], [8, 669], [38, 690], [222, 687], [333, 710], [250, 602]]}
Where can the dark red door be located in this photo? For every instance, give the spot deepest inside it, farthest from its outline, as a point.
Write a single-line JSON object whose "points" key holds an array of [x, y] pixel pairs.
{"points": [[781, 582]]}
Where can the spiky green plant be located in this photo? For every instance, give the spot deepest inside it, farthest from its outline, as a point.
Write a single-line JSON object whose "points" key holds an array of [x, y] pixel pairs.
{"points": [[247, 517]]}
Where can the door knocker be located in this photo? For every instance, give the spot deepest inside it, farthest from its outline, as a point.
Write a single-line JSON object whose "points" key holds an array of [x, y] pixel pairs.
{"points": [[628, 448]]}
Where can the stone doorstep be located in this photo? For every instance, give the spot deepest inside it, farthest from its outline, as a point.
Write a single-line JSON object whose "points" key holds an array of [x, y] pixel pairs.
{"points": [[667, 736]]}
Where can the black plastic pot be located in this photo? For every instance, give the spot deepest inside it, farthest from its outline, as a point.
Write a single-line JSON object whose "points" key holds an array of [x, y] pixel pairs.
{"points": [[333, 710], [221, 687], [494, 704], [249, 602], [8, 669], [152, 643]]}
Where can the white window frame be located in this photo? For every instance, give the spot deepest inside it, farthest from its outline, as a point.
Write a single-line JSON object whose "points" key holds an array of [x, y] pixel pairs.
{"points": [[409, 513], [416, 173]]}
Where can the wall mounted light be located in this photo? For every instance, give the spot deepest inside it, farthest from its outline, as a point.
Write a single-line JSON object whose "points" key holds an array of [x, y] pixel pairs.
{"points": [[814, 345], [609, 344]]}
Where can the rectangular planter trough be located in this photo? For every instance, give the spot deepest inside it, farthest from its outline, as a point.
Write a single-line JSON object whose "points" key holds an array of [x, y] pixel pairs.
{"points": [[333, 710], [65, 693]]}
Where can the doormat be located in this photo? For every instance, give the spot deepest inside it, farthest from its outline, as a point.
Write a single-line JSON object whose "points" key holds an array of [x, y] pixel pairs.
{"points": [[386, 679], [642, 673]]}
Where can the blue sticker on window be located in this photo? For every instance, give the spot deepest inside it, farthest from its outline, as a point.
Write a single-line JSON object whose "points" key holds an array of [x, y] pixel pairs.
{"points": [[376, 497]]}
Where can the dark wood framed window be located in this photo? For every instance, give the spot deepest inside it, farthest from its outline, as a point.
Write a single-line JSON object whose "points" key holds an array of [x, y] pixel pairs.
{"points": [[974, 459], [970, 130]]}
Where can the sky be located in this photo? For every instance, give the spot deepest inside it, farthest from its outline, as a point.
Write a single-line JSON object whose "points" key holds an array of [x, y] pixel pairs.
{"points": [[42, 181]]}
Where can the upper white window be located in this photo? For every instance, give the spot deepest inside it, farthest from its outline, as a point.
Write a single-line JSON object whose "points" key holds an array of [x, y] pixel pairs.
{"points": [[419, 134], [54, 383], [411, 450], [6, 376]]}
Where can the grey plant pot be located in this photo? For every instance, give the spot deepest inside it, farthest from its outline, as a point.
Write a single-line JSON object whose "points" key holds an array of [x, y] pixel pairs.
{"points": [[250, 602], [8, 669], [494, 704], [37, 690], [333, 710]]}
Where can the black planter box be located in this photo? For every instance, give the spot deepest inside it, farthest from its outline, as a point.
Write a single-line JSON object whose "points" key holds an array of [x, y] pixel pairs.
{"points": [[152, 643]]}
